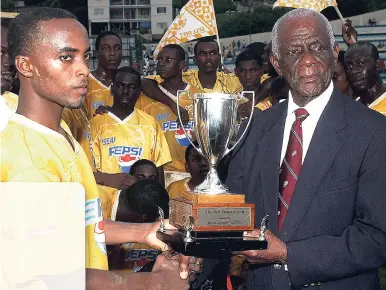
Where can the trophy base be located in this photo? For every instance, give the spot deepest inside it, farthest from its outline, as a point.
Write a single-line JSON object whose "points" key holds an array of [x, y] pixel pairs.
{"points": [[210, 244]]}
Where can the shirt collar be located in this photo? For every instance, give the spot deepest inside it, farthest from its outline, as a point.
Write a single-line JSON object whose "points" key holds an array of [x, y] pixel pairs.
{"points": [[315, 107]]}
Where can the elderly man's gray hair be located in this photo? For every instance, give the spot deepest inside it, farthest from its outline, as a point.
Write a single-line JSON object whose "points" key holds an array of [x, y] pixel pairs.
{"points": [[299, 14]]}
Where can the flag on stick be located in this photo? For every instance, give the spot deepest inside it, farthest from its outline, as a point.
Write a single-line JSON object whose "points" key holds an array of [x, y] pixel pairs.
{"points": [[195, 20], [317, 5]]}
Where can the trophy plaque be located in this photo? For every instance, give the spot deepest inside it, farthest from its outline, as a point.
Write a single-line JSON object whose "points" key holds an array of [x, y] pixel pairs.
{"points": [[210, 220]]}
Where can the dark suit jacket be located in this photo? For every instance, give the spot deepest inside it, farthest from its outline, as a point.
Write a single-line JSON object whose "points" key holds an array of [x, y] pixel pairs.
{"points": [[335, 229]]}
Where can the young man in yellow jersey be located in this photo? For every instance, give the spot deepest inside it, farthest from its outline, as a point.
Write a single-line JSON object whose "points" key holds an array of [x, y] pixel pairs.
{"points": [[37, 146], [8, 100], [363, 64], [124, 135], [108, 47], [198, 168], [170, 63]]}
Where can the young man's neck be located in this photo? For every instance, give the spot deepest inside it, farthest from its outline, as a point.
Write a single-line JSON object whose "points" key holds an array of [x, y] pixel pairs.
{"points": [[195, 181], [207, 79], [105, 76], [174, 84], [40, 110], [121, 113]]}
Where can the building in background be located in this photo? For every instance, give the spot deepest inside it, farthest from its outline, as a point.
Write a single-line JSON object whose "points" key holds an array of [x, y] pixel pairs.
{"points": [[150, 18]]}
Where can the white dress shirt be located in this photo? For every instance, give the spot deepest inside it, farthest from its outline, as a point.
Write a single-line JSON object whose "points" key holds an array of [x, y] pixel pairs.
{"points": [[314, 108]]}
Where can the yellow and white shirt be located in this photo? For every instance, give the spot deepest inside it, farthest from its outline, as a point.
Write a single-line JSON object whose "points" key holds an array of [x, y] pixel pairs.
{"points": [[175, 188], [118, 144], [379, 104], [227, 83], [175, 136], [97, 94], [8, 106], [32, 152]]}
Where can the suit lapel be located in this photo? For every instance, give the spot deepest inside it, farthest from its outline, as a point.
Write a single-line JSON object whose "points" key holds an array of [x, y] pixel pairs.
{"points": [[325, 144], [269, 156]]}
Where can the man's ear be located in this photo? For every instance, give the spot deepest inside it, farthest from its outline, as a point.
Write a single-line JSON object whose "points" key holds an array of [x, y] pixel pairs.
{"points": [[237, 71], [275, 63], [380, 64], [187, 167], [335, 53], [24, 66]]}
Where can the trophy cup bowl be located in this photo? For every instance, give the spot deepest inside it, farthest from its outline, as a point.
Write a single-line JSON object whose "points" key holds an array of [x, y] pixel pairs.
{"points": [[210, 220]]}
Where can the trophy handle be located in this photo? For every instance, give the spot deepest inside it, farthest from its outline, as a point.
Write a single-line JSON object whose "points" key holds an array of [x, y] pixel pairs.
{"points": [[249, 121], [179, 119]]}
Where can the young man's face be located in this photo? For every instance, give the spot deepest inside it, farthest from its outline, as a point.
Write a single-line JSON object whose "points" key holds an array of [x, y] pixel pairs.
{"points": [[249, 73], [197, 165], [57, 67], [146, 171], [110, 52], [126, 89], [208, 57], [169, 63]]}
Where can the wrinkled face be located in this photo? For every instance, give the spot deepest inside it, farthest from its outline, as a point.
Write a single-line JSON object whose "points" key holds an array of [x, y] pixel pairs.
{"points": [[340, 78], [58, 66], [126, 89], [361, 68], [306, 59], [249, 73], [169, 63], [7, 68], [146, 171], [110, 52], [197, 165], [208, 57]]}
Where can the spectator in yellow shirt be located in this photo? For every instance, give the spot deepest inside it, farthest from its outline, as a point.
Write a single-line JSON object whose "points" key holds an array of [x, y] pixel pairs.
{"points": [[197, 166]]}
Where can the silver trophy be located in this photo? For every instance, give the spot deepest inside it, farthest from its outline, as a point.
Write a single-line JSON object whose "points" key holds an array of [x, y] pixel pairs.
{"points": [[215, 117]]}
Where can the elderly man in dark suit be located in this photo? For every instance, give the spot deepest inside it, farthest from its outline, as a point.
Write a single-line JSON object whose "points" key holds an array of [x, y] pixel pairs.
{"points": [[316, 164]]}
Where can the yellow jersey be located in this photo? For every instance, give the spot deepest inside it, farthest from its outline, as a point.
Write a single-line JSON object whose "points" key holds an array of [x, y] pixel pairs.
{"points": [[175, 188], [97, 94], [227, 83], [175, 136], [8, 106], [33, 152], [79, 124], [118, 144], [379, 104]]}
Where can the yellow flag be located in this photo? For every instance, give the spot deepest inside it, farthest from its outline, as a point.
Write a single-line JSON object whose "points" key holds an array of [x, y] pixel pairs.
{"points": [[317, 5], [195, 20], [8, 14]]}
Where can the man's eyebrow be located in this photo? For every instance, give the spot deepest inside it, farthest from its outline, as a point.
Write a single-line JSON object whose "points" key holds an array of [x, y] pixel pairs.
{"points": [[68, 49]]}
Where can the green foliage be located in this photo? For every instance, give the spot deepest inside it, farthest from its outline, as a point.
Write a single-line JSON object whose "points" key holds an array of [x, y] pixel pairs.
{"points": [[260, 20]]}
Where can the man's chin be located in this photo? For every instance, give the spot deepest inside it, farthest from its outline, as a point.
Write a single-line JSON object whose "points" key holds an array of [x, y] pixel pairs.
{"points": [[77, 105]]}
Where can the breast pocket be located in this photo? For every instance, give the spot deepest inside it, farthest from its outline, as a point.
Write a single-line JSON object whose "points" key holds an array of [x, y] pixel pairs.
{"points": [[340, 184]]}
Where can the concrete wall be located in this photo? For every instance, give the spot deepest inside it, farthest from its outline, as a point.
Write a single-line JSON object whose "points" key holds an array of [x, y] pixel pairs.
{"points": [[161, 17]]}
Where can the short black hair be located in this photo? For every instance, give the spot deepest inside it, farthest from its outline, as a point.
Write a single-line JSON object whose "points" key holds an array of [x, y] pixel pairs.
{"points": [[246, 55], [129, 70], [24, 29], [365, 45], [103, 34], [341, 56], [205, 40], [139, 163], [257, 47], [190, 149], [143, 198], [177, 47]]}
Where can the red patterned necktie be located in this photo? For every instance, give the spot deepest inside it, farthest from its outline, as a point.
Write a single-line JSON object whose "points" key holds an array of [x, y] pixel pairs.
{"points": [[291, 166]]}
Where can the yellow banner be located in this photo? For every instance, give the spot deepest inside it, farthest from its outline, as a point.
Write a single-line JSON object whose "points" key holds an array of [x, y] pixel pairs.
{"points": [[195, 20], [317, 5], [8, 14]]}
